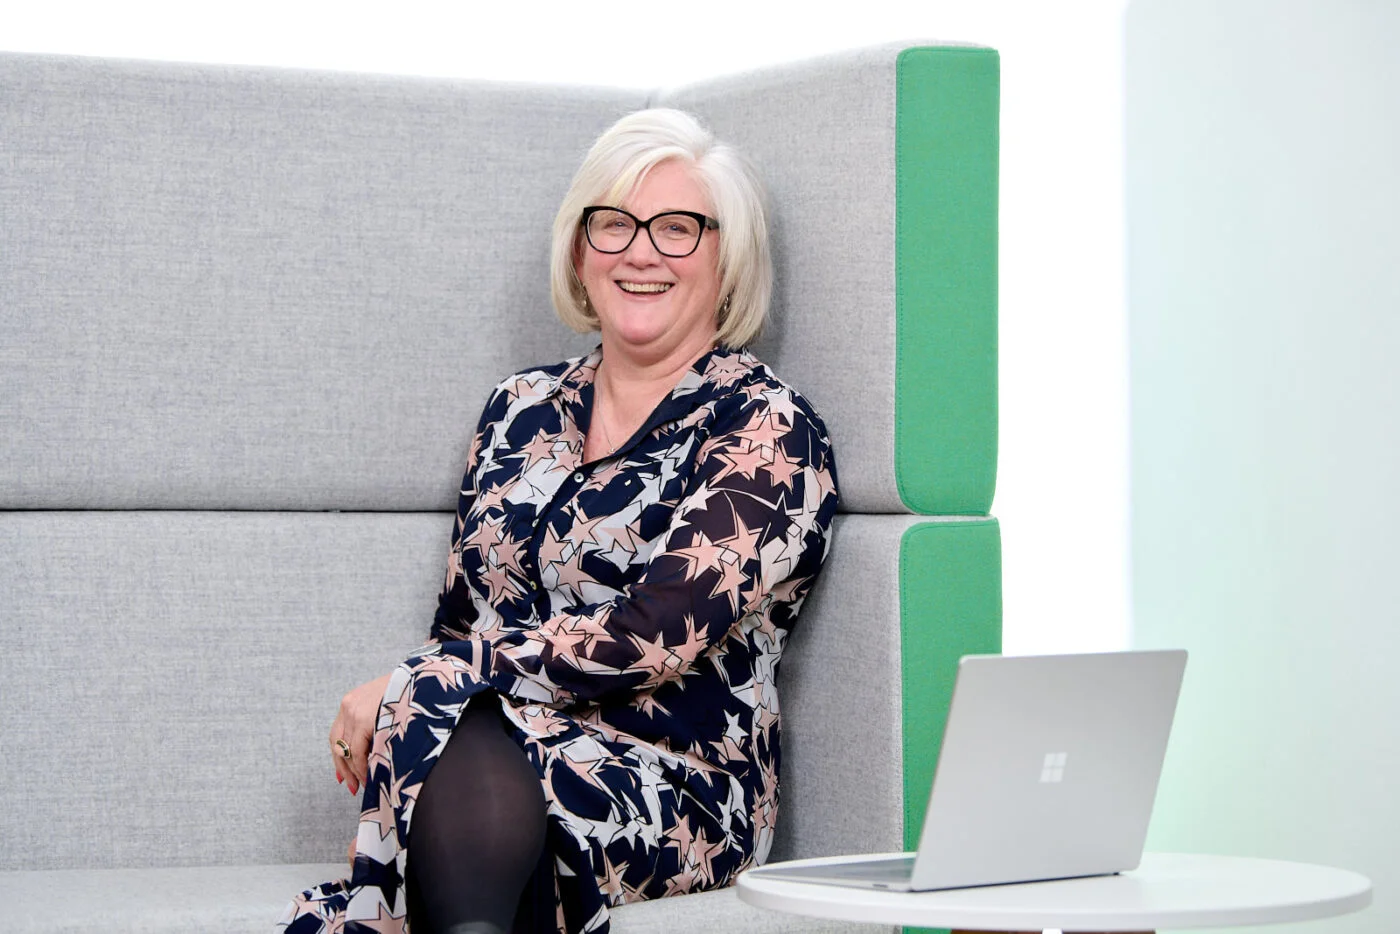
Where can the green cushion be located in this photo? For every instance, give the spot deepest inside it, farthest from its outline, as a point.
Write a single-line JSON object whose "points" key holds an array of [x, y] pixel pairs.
{"points": [[950, 606], [946, 152], [946, 279]]}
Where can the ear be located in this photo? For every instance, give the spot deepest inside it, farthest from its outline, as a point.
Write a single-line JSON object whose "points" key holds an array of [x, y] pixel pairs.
{"points": [[576, 258], [576, 255]]}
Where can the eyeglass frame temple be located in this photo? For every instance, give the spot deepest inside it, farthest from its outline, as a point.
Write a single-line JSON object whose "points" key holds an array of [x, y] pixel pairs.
{"points": [[706, 223]]}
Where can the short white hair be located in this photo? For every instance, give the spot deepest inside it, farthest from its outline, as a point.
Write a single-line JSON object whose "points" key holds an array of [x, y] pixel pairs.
{"points": [[617, 163]]}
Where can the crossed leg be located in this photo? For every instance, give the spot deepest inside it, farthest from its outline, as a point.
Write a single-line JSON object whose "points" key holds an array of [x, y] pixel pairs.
{"points": [[478, 830]]}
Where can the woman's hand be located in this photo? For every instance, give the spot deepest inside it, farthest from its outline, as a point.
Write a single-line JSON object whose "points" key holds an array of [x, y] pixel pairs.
{"points": [[354, 727]]}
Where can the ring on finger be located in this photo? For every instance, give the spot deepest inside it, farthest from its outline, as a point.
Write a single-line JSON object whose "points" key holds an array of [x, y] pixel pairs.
{"points": [[343, 747]]}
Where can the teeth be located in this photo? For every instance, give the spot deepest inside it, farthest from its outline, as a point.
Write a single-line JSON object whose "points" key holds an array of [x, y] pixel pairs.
{"points": [[644, 286]]}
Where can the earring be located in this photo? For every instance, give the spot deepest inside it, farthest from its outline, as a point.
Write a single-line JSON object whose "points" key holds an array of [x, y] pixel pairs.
{"points": [[724, 306]]}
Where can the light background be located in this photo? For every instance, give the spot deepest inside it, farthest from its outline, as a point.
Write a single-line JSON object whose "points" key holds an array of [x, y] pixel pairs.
{"points": [[1062, 481], [1264, 314]]}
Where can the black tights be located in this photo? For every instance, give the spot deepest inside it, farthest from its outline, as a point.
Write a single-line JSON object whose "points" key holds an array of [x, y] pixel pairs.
{"points": [[478, 829]]}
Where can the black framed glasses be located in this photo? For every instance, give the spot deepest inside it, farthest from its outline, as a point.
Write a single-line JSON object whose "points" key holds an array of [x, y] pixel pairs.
{"points": [[674, 233]]}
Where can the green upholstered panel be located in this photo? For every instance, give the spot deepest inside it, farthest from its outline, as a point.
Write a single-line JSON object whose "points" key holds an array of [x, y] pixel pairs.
{"points": [[949, 606], [946, 279], [946, 151]]}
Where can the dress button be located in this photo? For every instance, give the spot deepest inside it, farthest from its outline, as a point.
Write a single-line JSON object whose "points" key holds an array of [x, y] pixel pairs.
{"points": [[578, 477]]}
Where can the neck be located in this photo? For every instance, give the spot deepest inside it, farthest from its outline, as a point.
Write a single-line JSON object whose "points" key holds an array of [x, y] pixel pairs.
{"points": [[626, 388], [639, 369]]}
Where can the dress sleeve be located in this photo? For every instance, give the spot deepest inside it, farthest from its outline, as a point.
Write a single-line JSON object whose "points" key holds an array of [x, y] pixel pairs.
{"points": [[455, 611], [749, 536]]}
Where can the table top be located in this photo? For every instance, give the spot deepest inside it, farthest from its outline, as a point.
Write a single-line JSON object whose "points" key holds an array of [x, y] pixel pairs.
{"points": [[1168, 890]]}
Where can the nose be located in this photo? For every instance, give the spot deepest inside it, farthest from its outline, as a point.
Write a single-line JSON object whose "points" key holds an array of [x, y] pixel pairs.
{"points": [[641, 251]]}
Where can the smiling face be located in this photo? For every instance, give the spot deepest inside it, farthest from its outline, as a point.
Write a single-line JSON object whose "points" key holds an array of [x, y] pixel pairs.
{"points": [[652, 307]]}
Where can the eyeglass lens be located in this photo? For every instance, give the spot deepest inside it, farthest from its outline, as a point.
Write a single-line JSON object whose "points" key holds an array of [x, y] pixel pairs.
{"points": [[671, 234]]}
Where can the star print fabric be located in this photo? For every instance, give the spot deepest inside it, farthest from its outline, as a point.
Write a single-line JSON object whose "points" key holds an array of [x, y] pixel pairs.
{"points": [[628, 615]]}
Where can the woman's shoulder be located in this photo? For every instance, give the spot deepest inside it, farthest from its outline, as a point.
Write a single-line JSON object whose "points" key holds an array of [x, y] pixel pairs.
{"points": [[748, 387], [531, 386], [763, 426], [545, 378]]}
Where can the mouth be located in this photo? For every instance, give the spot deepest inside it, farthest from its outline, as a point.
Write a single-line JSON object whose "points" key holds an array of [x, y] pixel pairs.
{"points": [[645, 288]]}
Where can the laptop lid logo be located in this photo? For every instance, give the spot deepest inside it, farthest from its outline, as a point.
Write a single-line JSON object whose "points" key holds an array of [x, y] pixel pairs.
{"points": [[1054, 768]]}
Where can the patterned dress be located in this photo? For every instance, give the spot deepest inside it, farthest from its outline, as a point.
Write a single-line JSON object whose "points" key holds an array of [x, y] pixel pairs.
{"points": [[630, 614]]}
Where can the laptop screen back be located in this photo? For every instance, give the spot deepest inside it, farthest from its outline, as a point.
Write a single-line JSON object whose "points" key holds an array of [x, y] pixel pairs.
{"points": [[1048, 768]]}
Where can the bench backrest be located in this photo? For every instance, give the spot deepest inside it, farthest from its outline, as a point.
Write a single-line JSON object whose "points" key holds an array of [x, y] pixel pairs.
{"points": [[247, 320]]}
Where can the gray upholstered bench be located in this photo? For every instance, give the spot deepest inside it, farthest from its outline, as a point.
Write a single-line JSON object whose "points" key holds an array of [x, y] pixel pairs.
{"points": [[247, 320]]}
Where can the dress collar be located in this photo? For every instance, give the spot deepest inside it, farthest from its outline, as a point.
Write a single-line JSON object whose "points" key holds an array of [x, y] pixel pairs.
{"points": [[708, 378]]}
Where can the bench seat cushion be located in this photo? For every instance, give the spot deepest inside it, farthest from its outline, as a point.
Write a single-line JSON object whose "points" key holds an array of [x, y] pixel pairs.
{"points": [[246, 899]]}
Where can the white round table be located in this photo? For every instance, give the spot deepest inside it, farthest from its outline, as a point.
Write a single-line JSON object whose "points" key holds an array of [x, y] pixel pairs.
{"points": [[1169, 890]]}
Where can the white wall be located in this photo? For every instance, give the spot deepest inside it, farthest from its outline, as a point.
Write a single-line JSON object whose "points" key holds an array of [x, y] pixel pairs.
{"points": [[1062, 486], [1264, 231]]}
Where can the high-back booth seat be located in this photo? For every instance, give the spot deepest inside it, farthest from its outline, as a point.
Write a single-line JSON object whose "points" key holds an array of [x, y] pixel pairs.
{"points": [[248, 318]]}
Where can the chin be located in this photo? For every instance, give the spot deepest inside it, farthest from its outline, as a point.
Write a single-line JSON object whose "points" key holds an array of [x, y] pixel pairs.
{"points": [[640, 339], [640, 332]]}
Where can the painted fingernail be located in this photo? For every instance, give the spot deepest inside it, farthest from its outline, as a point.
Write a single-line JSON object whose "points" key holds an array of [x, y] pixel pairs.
{"points": [[340, 779]]}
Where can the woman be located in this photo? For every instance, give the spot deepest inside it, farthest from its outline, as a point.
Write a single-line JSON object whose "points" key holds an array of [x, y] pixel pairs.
{"points": [[595, 719]]}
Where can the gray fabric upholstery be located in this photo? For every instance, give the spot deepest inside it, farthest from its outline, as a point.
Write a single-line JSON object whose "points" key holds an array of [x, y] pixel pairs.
{"points": [[193, 662], [841, 772], [274, 615], [230, 288], [253, 289], [203, 900], [245, 899]]}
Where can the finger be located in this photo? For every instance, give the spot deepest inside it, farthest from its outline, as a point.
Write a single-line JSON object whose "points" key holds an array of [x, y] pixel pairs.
{"points": [[359, 756], [352, 782], [339, 761]]}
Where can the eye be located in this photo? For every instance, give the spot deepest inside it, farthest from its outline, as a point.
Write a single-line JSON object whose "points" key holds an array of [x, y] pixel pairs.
{"points": [[610, 224], [677, 227]]}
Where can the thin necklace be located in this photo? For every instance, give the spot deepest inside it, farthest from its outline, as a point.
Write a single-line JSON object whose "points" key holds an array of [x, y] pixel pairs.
{"points": [[603, 424], [598, 411]]}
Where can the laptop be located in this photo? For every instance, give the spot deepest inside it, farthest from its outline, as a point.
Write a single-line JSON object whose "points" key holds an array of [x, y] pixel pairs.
{"points": [[1048, 770]]}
